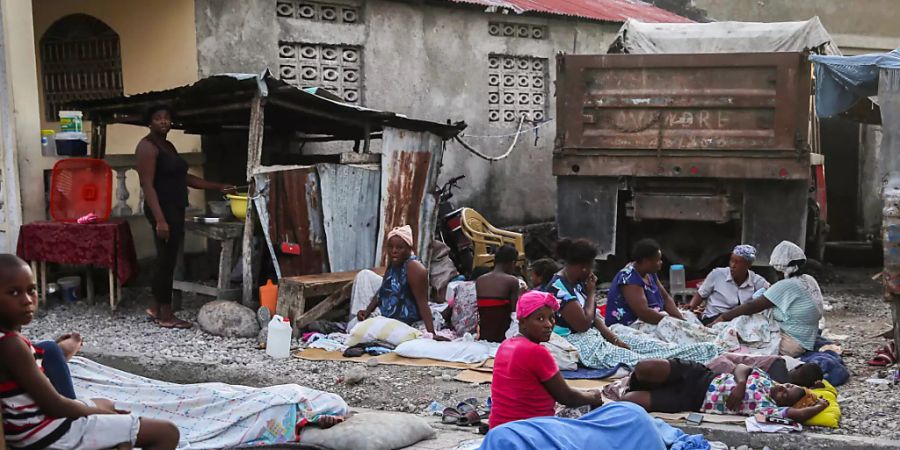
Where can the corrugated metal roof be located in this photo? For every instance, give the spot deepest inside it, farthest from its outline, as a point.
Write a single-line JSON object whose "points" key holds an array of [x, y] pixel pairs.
{"points": [[224, 100], [605, 10]]}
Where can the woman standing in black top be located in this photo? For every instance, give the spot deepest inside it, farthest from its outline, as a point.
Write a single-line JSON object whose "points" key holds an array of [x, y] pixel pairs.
{"points": [[165, 180]]}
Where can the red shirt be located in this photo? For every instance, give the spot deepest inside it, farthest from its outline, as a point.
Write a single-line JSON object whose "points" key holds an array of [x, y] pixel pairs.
{"points": [[516, 391]]}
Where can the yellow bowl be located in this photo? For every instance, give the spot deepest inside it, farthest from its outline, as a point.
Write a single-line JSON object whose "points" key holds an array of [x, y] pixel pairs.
{"points": [[238, 205]]}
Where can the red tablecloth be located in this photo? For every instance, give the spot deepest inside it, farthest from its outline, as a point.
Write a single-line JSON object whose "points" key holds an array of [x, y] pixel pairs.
{"points": [[107, 244]]}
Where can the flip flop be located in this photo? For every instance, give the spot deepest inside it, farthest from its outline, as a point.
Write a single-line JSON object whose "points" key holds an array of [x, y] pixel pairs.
{"points": [[469, 418], [884, 356], [450, 416], [178, 324]]}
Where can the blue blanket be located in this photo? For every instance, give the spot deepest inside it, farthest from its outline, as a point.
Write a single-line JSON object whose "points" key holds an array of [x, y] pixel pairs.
{"points": [[832, 366], [619, 425], [587, 373]]}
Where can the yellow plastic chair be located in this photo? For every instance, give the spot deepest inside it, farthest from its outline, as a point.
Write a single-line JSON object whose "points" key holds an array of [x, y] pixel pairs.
{"points": [[486, 239]]}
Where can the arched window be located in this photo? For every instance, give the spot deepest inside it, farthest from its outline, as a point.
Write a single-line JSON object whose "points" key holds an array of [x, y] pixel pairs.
{"points": [[80, 60]]}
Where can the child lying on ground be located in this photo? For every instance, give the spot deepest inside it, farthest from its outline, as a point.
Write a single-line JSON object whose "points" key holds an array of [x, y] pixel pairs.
{"points": [[35, 415], [527, 382], [807, 375], [674, 385]]}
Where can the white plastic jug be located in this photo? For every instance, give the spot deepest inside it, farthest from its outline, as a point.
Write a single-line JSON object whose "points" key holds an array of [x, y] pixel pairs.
{"points": [[676, 278], [278, 341]]}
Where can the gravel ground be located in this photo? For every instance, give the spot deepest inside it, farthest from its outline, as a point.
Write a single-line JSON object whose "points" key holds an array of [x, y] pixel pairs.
{"points": [[858, 313]]}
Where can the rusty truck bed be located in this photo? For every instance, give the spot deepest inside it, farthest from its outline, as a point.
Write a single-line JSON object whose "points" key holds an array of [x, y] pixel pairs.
{"points": [[702, 115]]}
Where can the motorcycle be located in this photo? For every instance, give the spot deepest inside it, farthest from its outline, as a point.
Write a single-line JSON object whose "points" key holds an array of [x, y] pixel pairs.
{"points": [[449, 228]]}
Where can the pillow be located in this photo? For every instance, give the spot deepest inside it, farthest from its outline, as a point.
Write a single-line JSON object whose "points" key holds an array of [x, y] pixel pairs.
{"points": [[384, 329], [831, 415], [565, 354], [370, 431], [461, 351]]}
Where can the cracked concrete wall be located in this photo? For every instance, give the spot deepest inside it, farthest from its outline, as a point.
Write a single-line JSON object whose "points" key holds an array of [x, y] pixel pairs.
{"points": [[425, 61]]}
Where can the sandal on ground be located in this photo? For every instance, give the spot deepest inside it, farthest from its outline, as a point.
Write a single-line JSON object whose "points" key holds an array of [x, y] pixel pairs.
{"points": [[884, 356], [469, 418], [450, 416], [176, 324]]}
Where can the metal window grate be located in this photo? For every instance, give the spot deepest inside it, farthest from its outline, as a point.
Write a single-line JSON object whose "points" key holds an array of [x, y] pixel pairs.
{"points": [[520, 30], [80, 60], [332, 67], [318, 11], [516, 86]]}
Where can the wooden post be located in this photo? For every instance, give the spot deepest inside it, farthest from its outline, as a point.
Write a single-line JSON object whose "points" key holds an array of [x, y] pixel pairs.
{"points": [[44, 282], [34, 271], [255, 136], [248, 275], [112, 290], [254, 158], [89, 280], [225, 263]]}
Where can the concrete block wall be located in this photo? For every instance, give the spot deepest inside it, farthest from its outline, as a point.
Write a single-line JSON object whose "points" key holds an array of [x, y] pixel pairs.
{"points": [[427, 61]]}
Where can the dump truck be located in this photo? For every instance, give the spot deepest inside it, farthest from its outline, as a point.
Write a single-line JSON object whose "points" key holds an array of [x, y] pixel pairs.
{"points": [[698, 151]]}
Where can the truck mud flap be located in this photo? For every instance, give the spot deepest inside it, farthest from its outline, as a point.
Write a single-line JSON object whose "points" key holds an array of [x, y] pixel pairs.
{"points": [[774, 211], [587, 207]]}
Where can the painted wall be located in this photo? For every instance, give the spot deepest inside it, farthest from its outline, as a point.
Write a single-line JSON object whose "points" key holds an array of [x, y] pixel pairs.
{"points": [[159, 51], [429, 62], [19, 122], [868, 26]]}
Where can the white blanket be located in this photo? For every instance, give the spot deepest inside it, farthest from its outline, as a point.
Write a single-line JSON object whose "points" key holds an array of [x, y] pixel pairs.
{"points": [[209, 415]]}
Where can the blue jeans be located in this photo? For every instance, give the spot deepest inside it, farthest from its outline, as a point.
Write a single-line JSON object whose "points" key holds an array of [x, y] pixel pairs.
{"points": [[56, 368]]}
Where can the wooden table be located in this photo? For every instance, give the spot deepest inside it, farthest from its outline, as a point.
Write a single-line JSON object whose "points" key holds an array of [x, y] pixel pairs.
{"points": [[226, 233], [293, 292], [107, 244]]}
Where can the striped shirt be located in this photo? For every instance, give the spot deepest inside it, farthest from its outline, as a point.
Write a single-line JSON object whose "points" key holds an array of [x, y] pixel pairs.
{"points": [[796, 311], [25, 425]]}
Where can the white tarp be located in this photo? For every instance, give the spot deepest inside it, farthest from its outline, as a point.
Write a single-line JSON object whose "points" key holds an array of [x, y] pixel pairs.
{"points": [[724, 37]]}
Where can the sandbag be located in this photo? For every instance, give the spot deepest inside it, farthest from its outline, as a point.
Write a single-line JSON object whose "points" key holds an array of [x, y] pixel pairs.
{"points": [[459, 351], [384, 329], [370, 431]]}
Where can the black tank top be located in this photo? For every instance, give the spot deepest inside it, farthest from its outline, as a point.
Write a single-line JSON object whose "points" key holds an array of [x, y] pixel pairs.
{"points": [[170, 180]]}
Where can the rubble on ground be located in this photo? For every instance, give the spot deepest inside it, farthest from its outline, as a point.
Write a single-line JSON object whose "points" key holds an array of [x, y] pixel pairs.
{"points": [[857, 312]]}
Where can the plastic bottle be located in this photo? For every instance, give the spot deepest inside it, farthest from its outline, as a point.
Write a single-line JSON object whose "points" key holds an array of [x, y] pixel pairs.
{"points": [[676, 278], [278, 341], [268, 296]]}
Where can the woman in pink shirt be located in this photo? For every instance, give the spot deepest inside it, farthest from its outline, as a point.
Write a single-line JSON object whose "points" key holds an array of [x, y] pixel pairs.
{"points": [[527, 382]]}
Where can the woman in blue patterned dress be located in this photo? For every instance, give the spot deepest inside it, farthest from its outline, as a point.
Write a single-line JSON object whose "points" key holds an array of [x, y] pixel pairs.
{"points": [[636, 294]]}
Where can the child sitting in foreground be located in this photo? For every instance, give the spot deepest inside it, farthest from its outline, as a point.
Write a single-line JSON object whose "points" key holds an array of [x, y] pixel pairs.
{"points": [[675, 385], [527, 382], [35, 415]]}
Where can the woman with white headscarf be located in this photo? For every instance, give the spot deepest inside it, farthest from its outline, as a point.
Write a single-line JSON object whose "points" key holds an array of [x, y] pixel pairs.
{"points": [[796, 301], [402, 293]]}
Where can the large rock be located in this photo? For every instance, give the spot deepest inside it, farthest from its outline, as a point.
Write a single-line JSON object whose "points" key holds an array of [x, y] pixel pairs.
{"points": [[229, 319]]}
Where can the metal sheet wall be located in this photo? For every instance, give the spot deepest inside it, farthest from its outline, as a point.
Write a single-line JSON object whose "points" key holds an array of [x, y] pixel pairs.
{"points": [[410, 165], [350, 201]]}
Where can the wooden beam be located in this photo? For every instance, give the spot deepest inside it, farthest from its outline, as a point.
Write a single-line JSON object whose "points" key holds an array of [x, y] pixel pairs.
{"points": [[330, 302], [255, 139], [248, 276]]}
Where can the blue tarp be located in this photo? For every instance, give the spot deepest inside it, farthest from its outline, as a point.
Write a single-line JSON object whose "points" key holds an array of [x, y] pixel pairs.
{"points": [[841, 81]]}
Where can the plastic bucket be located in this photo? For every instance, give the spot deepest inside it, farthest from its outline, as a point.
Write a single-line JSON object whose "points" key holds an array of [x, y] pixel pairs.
{"points": [[238, 205], [70, 288]]}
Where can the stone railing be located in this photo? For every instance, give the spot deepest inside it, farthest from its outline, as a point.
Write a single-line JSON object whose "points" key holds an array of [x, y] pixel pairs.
{"points": [[128, 197]]}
